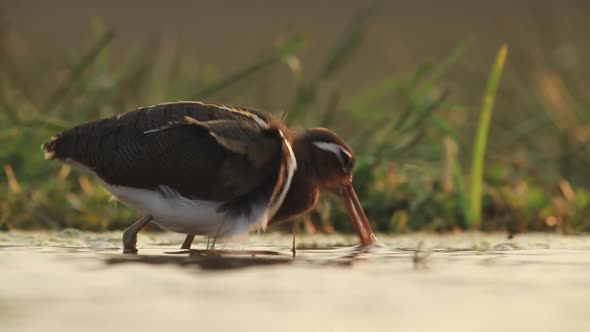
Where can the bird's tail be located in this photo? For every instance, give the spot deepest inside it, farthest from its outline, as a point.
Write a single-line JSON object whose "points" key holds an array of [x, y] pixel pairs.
{"points": [[64, 146], [50, 148]]}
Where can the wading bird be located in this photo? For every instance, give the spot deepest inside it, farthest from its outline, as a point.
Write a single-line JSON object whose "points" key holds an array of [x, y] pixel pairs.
{"points": [[207, 169]]}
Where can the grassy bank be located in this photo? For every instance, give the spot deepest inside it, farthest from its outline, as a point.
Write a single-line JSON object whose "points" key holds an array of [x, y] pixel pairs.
{"points": [[420, 164]]}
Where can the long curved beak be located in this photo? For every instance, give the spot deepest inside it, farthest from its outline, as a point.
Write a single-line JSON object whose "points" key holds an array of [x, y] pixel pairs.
{"points": [[356, 213]]}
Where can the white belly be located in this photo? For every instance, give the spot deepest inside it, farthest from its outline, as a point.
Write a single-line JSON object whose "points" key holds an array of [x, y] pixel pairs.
{"points": [[182, 215]]}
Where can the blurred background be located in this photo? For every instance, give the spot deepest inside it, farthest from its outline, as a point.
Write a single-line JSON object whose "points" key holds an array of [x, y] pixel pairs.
{"points": [[403, 82]]}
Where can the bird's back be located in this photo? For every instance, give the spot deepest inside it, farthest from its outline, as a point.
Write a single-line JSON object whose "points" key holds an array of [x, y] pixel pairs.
{"points": [[131, 150]]}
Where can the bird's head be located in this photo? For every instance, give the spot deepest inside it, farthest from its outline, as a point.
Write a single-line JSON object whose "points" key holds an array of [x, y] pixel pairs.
{"points": [[333, 162]]}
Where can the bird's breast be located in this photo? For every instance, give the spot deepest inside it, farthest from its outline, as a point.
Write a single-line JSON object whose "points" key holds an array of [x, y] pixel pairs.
{"points": [[299, 200]]}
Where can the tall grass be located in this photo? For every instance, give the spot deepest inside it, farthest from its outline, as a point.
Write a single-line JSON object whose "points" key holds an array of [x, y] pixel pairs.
{"points": [[411, 151], [479, 148]]}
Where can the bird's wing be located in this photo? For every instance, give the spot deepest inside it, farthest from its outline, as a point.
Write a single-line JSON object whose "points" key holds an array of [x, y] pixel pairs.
{"points": [[201, 151], [258, 144]]}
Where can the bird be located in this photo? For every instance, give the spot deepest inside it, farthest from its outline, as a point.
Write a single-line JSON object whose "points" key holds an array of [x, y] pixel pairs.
{"points": [[209, 169]]}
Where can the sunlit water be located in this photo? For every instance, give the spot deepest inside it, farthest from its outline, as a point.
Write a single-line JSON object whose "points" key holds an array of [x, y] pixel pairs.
{"points": [[70, 280]]}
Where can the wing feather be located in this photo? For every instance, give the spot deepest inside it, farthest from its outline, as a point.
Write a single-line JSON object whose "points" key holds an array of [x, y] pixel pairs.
{"points": [[202, 151]]}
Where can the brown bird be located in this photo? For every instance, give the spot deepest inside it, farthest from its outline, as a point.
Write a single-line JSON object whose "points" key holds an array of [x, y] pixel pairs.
{"points": [[206, 169]]}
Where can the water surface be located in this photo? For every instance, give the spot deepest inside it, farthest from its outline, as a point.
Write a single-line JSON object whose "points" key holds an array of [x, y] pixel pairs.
{"points": [[71, 281]]}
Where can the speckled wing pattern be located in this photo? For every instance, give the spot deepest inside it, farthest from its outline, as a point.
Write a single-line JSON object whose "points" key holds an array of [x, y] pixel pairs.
{"points": [[201, 151]]}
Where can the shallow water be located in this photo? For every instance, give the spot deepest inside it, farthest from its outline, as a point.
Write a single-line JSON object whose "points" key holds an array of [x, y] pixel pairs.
{"points": [[70, 280]]}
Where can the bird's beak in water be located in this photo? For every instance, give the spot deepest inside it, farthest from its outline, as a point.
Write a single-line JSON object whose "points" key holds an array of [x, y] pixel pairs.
{"points": [[356, 213]]}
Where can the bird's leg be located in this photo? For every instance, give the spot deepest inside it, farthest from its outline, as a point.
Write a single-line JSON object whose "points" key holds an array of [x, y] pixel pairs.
{"points": [[188, 241], [212, 248], [216, 235], [130, 235], [294, 248]]}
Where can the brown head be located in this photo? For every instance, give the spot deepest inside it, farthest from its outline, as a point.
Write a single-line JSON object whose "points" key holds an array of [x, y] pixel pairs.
{"points": [[333, 162]]}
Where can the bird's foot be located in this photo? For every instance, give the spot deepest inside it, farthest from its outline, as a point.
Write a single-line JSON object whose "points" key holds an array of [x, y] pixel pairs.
{"points": [[130, 235], [130, 250], [129, 243], [188, 241]]}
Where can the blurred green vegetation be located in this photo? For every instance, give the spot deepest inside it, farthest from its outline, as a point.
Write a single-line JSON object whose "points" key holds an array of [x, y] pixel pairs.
{"points": [[410, 137]]}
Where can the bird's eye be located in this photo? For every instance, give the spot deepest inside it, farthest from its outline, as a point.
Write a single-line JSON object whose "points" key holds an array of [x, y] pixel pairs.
{"points": [[344, 157], [346, 160]]}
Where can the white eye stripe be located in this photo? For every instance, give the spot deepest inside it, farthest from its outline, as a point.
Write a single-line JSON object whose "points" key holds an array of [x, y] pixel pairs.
{"points": [[336, 149], [346, 152]]}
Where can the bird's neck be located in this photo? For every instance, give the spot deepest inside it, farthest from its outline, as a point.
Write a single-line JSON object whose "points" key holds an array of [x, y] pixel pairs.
{"points": [[304, 191]]}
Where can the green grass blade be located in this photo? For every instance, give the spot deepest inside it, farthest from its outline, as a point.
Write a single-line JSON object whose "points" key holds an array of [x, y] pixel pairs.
{"points": [[435, 74], [349, 42], [304, 96], [423, 112], [440, 70], [329, 113], [448, 130], [462, 194], [88, 59], [364, 99], [289, 47], [474, 218], [232, 78], [17, 80], [8, 112]]}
